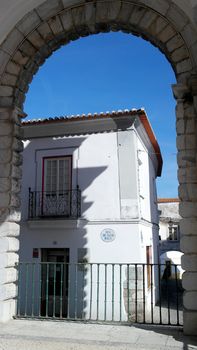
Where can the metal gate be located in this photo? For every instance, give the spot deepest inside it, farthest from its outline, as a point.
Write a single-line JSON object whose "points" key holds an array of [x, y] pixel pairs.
{"points": [[126, 293]]}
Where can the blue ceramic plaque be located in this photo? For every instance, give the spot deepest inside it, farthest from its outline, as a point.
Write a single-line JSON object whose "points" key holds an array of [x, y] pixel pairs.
{"points": [[108, 235]]}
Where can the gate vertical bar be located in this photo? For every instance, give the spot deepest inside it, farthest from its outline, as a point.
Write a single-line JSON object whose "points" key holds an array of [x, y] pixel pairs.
{"points": [[90, 291], [160, 296], [76, 289], [61, 288], [47, 289], [54, 288], [83, 292], [105, 302], [97, 293], [40, 287], [33, 289], [144, 297], [26, 286], [19, 289], [128, 305], [136, 287], [151, 287], [120, 278], [112, 292], [67, 268], [177, 296], [168, 299]]}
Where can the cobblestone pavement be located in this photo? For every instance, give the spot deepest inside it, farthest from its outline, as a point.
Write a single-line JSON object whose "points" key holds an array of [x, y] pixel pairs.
{"points": [[40, 335]]}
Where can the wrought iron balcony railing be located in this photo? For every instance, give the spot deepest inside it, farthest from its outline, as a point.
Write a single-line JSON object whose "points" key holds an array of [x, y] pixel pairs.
{"points": [[45, 204]]}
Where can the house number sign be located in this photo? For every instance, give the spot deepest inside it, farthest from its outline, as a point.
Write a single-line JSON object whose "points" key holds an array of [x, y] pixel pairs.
{"points": [[108, 235]]}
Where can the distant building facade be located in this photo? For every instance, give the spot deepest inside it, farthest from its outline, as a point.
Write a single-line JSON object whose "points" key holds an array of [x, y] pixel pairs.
{"points": [[169, 230]]}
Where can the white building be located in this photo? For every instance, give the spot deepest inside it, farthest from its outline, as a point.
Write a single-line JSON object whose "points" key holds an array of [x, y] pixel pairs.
{"points": [[169, 219], [88, 196], [169, 232]]}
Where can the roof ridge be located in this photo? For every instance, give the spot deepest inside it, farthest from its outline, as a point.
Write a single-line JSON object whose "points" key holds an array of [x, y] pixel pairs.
{"points": [[168, 200], [84, 115]]}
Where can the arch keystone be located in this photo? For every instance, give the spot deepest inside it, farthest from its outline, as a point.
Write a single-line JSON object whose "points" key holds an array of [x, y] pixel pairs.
{"points": [[49, 9]]}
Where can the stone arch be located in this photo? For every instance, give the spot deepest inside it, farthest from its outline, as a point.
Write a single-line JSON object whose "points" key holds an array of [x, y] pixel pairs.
{"points": [[31, 41]]}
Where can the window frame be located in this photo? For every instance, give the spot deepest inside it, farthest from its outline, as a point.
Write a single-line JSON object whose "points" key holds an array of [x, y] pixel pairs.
{"points": [[56, 157], [171, 234]]}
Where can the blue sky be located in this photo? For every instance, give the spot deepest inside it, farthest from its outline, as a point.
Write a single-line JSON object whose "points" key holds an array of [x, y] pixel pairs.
{"points": [[108, 72]]}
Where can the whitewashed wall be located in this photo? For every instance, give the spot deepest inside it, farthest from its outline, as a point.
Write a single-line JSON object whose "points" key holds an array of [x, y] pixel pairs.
{"points": [[110, 190]]}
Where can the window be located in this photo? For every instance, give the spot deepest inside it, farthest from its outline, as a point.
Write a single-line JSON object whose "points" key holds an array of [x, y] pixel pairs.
{"points": [[56, 194], [57, 174], [173, 230]]}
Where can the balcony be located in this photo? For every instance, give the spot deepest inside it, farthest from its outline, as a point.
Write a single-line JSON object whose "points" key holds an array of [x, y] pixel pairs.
{"points": [[60, 204]]}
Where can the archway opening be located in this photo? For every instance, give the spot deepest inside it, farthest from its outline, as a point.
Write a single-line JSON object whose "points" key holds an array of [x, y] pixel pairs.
{"points": [[110, 72], [112, 87]]}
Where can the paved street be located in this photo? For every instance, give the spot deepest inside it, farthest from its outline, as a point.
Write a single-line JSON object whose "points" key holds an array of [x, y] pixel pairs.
{"points": [[34, 335]]}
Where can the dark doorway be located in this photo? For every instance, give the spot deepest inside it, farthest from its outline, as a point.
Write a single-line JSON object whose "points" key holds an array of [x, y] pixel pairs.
{"points": [[54, 286]]}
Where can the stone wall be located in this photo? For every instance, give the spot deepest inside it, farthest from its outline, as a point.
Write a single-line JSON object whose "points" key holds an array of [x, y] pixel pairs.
{"points": [[10, 175], [44, 29]]}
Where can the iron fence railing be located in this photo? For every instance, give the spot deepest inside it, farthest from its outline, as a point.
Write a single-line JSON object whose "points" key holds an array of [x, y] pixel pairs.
{"points": [[101, 292], [43, 204]]}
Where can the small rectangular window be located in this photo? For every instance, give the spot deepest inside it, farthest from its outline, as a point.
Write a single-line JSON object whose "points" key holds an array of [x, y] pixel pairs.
{"points": [[173, 232]]}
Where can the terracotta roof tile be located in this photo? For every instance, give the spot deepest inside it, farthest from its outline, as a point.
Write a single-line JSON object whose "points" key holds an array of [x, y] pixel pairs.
{"points": [[84, 116], [168, 200]]}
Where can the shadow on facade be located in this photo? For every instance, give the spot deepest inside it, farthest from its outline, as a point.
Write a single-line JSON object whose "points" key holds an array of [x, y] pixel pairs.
{"points": [[54, 272]]}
